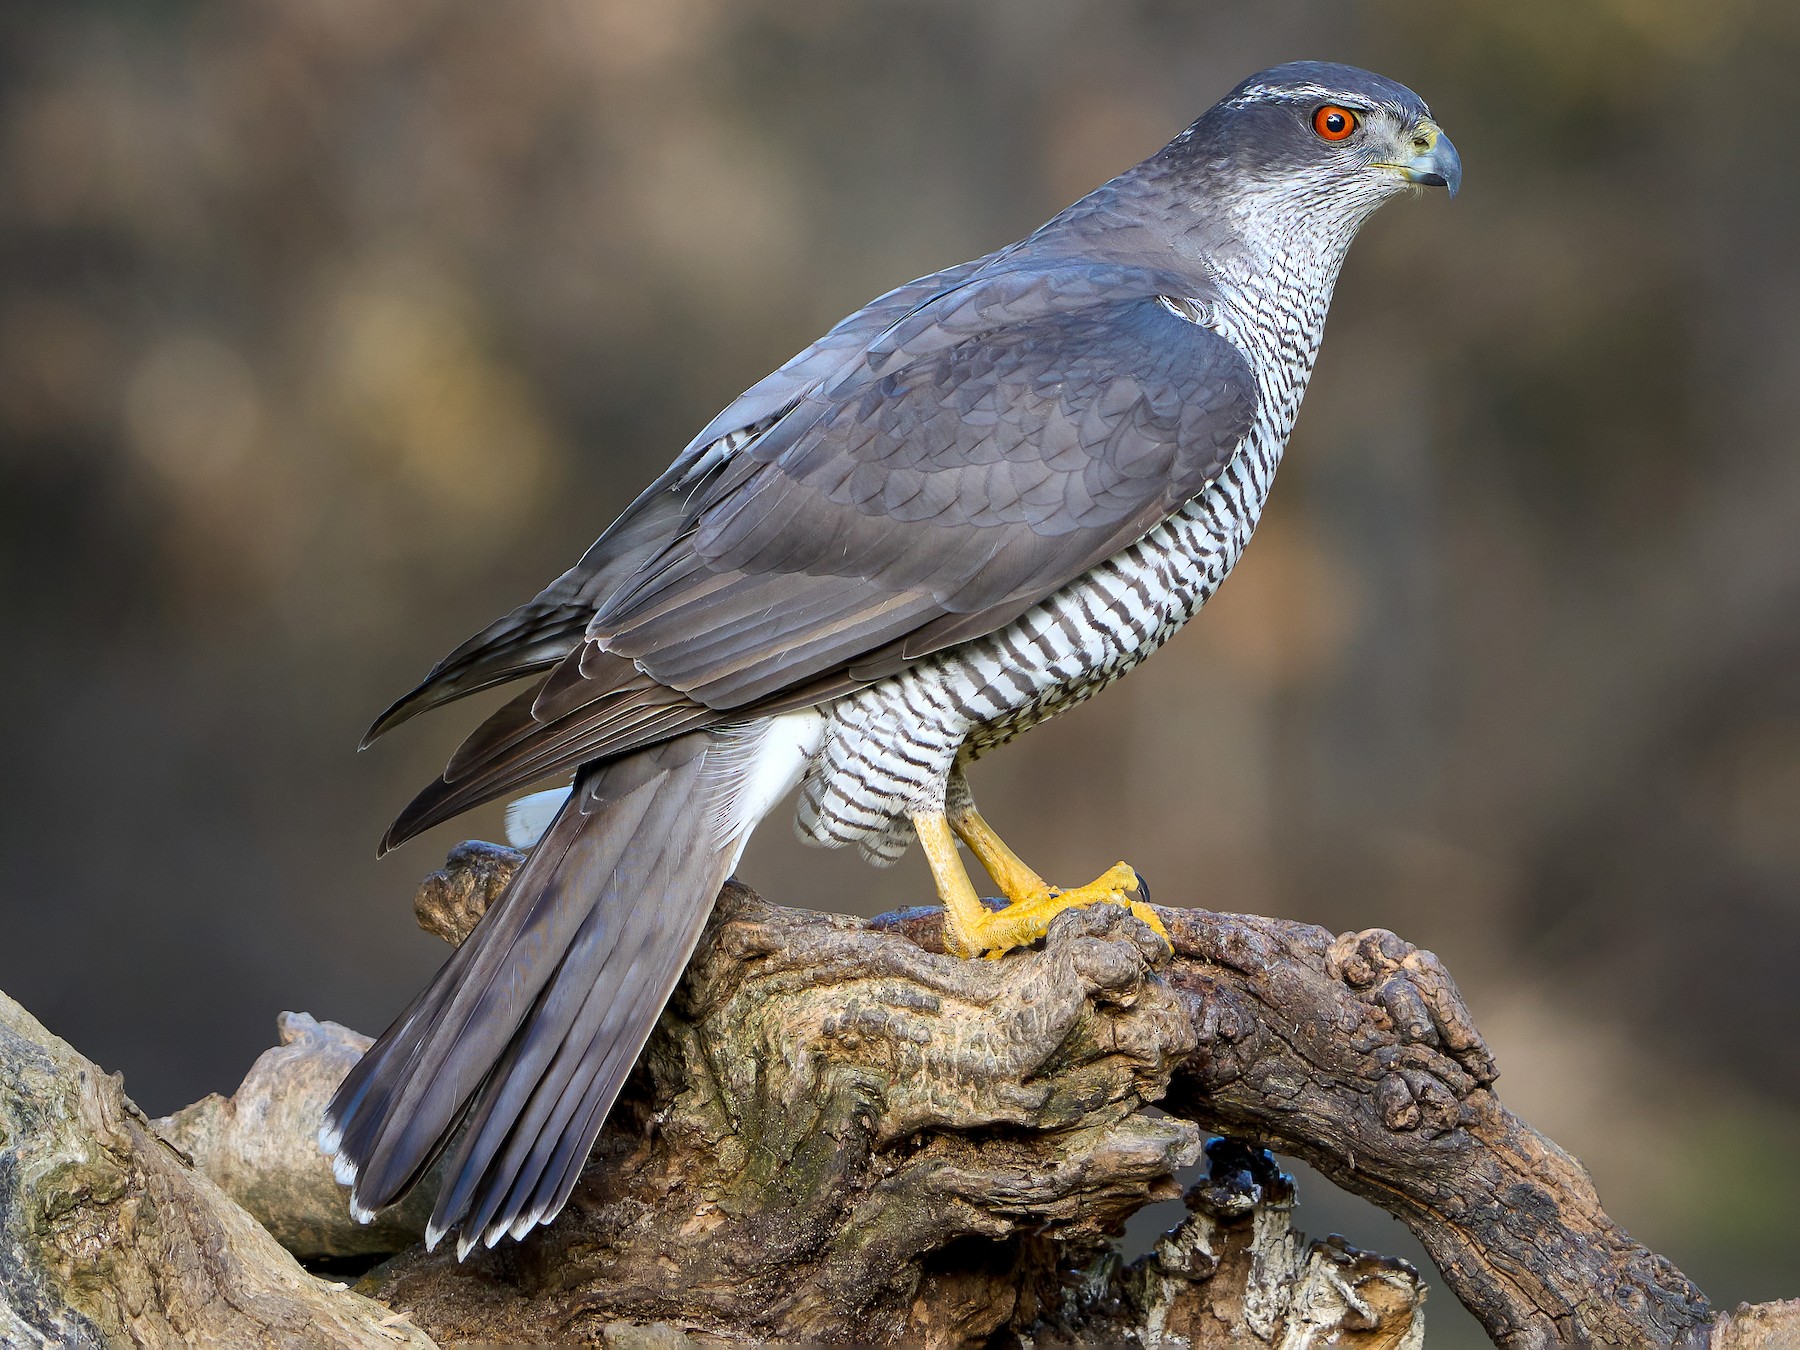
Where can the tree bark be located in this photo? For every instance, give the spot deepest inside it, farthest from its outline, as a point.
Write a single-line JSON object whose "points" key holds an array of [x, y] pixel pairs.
{"points": [[110, 1236], [838, 1133], [1358, 1056]]}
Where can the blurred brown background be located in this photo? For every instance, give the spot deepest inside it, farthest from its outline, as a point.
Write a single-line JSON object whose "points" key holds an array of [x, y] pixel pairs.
{"points": [[329, 330]]}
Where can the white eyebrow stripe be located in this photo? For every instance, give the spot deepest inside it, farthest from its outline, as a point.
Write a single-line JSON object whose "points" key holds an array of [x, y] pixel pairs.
{"points": [[1258, 93], [1274, 93]]}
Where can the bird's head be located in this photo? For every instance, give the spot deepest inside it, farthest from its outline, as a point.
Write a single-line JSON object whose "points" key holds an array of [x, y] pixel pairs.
{"points": [[1310, 149]]}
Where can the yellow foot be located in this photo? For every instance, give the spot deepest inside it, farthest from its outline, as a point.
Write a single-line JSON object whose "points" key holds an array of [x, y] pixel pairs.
{"points": [[971, 928], [1028, 917]]}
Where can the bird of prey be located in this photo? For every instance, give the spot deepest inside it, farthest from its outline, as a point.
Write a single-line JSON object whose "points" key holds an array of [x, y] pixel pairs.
{"points": [[972, 504]]}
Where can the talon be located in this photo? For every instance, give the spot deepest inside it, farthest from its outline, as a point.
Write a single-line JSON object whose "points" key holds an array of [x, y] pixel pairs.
{"points": [[1029, 916], [1151, 918], [971, 929]]}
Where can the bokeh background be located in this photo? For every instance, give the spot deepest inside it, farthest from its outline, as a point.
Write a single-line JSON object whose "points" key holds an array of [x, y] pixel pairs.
{"points": [[329, 330]]}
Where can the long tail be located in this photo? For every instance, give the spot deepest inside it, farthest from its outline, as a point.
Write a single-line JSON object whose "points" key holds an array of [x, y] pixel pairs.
{"points": [[530, 1029]]}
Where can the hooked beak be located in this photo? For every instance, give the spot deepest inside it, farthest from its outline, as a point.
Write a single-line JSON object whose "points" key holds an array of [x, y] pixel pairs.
{"points": [[1436, 164]]}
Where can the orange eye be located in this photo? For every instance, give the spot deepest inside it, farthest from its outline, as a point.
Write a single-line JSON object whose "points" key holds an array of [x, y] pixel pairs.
{"points": [[1334, 123]]}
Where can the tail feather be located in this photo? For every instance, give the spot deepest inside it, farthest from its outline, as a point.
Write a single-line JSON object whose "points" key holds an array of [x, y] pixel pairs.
{"points": [[531, 1027], [530, 1112], [425, 1069]]}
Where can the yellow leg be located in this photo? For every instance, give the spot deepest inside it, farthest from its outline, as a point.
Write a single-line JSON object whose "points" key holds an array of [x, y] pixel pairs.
{"points": [[963, 910], [1016, 881], [970, 928]]}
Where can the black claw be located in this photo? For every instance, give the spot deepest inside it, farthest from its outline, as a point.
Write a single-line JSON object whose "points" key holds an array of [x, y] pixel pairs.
{"points": [[1143, 887]]}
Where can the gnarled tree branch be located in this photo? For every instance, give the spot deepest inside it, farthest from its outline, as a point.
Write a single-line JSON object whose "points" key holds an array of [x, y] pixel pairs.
{"points": [[839, 1133], [110, 1236], [1358, 1056]]}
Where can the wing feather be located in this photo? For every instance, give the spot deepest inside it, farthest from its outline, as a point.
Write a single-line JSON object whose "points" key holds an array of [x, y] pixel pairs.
{"points": [[539, 633], [925, 474], [874, 517]]}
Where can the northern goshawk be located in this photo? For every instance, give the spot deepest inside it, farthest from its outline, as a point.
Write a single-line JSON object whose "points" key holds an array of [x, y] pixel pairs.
{"points": [[974, 503]]}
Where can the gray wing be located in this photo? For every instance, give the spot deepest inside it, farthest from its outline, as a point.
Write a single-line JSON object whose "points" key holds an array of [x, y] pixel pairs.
{"points": [[970, 467], [983, 452], [546, 628]]}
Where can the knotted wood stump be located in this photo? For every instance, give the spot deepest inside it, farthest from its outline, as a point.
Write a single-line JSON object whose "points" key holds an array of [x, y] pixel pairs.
{"points": [[839, 1133]]}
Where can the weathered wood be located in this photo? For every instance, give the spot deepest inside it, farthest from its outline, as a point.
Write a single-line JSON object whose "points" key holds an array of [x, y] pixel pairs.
{"points": [[109, 1236], [260, 1146], [1357, 1054], [1235, 1274], [838, 1133], [1759, 1326]]}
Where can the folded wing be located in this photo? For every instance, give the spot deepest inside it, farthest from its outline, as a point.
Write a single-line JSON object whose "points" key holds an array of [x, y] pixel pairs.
{"points": [[969, 457]]}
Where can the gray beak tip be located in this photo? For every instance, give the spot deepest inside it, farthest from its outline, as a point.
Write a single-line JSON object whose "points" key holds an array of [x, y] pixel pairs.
{"points": [[1440, 166]]}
